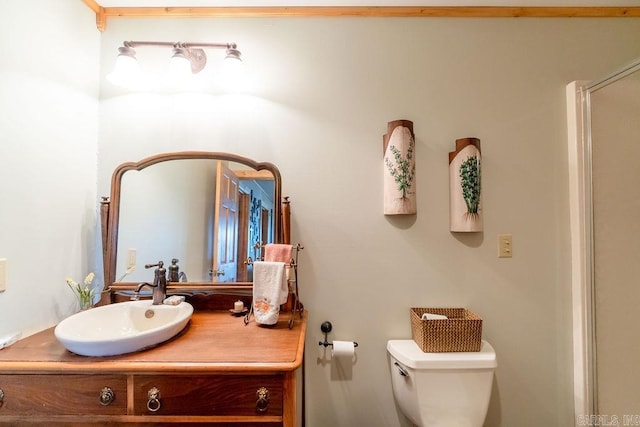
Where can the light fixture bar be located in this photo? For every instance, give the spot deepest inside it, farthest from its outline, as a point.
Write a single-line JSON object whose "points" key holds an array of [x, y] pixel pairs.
{"points": [[187, 45], [187, 58]]}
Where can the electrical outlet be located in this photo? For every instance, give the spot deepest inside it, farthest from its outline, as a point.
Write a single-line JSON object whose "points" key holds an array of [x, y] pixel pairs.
{"points": [[3, 274], [131, 258], [505, 246]]}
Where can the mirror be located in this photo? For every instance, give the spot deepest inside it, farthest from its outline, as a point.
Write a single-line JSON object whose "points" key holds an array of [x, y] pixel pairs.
{"points": [[210, 211]]}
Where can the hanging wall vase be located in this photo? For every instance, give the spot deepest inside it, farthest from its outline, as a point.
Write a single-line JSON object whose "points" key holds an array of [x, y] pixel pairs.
{"points": [[399, 168], [465, 210]]}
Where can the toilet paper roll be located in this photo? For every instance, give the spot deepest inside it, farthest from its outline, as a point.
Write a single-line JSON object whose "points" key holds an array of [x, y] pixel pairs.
{"points": [[431, 316], [343, 349]]}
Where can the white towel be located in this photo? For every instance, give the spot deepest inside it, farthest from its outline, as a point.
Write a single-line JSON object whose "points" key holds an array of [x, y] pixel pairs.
{"points": [[270, 289]]}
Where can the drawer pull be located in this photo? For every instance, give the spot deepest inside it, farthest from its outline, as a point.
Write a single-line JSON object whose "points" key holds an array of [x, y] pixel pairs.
{"points": [[153, 404], [262, 402], [1, 397], [107, 396]]}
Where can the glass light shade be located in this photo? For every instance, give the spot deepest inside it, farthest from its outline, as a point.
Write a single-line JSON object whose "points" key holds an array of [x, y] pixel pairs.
{"points": [[180, 75], [179, 68], [233, 74], [126, 73]]}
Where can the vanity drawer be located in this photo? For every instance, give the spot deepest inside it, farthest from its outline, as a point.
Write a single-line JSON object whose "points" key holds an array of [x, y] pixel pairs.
{"points": [[62, 394], [211, 395]]}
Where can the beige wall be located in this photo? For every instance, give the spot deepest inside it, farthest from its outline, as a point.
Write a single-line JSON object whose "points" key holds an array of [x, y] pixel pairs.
{"points": [[616, 200], [49, 65], [324, 91], [323, 94]]}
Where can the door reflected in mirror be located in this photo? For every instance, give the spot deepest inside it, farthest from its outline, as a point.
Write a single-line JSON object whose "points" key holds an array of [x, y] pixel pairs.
{"points": [[210, 215]]}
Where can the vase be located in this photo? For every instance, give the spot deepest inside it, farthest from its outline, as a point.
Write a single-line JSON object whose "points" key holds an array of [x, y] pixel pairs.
{"points": [[86, 302]]}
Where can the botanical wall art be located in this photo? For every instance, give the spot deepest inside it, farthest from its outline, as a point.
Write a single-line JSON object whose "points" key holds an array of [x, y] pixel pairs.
{"points": [[399, 168], [465, 209]]}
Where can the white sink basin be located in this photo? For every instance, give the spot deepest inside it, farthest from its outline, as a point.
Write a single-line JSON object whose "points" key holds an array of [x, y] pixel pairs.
{"points": [[122, 328]]}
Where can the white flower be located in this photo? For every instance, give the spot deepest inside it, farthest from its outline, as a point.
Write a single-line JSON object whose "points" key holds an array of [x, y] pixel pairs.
{"points": [[84, 295], [89, 278]]}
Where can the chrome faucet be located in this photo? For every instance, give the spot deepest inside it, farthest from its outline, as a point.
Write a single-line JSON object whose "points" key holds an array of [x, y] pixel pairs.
{"points": [[159, 285]]}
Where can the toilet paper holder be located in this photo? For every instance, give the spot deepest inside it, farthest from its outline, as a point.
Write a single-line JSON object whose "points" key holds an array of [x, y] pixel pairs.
{"points": [[326, 327]]}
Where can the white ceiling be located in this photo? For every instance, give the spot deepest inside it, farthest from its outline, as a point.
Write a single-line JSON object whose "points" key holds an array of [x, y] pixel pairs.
{"points": [[290, 3]]}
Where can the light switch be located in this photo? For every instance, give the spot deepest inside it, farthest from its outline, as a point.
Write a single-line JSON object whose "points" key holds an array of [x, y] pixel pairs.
{"points": [[505, 246], [3, 274], [131, 258]]}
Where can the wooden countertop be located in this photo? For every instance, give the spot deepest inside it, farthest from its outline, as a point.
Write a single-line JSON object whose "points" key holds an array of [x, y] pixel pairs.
{"points": [[213, 341]]}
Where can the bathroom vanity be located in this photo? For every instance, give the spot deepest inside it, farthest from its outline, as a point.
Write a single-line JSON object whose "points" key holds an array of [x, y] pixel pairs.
{"points": [[219, 369], [216, 371]]}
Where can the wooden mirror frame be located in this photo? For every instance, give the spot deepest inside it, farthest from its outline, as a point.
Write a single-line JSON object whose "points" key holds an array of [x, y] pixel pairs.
{"points": [[110, 215]]}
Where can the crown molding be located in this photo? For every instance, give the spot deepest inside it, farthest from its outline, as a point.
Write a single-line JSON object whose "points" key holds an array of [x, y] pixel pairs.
{"points": [[103, 13]]}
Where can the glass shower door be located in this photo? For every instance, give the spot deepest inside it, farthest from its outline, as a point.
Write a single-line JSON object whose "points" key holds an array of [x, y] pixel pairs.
{"points": [[614, 119]]}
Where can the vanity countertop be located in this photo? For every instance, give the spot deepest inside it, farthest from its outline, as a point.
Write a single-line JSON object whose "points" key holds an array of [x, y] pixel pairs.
{"points": [[213, 341]]}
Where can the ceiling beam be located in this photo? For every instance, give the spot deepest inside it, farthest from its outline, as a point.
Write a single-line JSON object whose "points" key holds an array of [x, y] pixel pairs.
{"points": [[101, 17], [92, 5], [103, 13]]}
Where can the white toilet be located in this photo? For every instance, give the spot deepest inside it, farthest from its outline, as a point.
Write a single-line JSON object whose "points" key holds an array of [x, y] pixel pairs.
{"points": [[442, 389]]}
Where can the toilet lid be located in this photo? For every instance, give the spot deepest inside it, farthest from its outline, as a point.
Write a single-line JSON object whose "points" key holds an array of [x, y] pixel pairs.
{"points": [[409, 354]]}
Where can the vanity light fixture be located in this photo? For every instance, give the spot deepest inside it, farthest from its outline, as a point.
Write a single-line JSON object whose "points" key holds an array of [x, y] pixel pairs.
{"points": [[187, 59]]}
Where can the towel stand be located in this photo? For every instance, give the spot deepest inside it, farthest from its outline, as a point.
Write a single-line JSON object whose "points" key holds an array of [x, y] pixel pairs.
{"points": [[292, 283]]}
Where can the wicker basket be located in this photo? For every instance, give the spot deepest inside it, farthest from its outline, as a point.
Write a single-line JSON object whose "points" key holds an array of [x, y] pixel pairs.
{"points": [[461, 331]]}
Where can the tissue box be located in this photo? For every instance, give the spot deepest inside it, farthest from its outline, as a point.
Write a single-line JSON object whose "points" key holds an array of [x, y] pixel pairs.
{"points": [[461, 331]]}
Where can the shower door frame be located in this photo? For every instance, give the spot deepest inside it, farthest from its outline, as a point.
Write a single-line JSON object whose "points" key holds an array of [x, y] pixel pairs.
{"points": [[581, 227]]}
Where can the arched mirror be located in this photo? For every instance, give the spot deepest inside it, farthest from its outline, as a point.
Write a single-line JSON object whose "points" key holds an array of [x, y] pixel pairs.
{"points": [[208, 211]]}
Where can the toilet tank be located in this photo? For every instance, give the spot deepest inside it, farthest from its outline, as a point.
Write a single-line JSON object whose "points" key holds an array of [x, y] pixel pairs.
{"points": [[442, 389]]}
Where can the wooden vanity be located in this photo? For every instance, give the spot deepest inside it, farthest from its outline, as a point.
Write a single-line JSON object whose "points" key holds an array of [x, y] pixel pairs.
{"points": [[216, 371]]}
